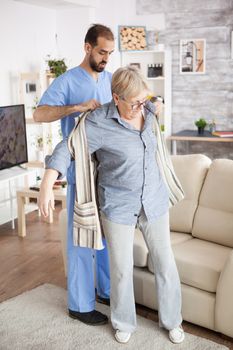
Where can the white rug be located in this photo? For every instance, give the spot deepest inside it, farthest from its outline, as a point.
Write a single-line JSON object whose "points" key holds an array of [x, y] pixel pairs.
{"points": [[38, 319]]}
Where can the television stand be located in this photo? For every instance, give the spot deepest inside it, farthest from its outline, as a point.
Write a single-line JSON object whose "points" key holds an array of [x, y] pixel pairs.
{"points": [[21, 166], [8, 176]]}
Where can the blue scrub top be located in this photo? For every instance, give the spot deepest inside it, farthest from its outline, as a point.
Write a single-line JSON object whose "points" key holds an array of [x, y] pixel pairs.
{"points": [[74, 87]]}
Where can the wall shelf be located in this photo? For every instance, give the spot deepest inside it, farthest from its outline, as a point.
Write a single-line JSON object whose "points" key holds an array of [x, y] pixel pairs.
{"points": [[31, 121], [48, 132], [160, 85], [35, 164], [157, 78]]}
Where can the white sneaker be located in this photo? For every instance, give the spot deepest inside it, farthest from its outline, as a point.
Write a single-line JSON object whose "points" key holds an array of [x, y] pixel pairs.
{"points": [[122, 337], [176, 335]]}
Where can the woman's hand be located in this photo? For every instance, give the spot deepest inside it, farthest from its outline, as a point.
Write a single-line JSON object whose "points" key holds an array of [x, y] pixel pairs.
{"points": [[46, 196], [46, 200]]}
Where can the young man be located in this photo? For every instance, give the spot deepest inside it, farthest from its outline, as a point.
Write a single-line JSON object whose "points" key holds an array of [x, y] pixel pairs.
{"points": [[82, 88]]}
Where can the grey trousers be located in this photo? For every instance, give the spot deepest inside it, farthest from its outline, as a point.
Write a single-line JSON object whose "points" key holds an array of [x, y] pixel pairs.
{"points": [[120, 248]]}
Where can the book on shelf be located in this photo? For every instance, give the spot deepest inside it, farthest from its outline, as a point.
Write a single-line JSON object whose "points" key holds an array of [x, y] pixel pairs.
{"points": [[223, 133]]}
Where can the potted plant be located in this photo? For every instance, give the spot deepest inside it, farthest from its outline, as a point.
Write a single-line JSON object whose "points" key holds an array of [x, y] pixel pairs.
{"points": [[39, 147], [201, 124], [39, 142], [49, 143], [36, 101], [56, 67], [38, 180]]}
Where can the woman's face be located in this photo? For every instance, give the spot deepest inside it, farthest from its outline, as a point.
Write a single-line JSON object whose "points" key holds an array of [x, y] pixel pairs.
{"points": [[131, 107]]}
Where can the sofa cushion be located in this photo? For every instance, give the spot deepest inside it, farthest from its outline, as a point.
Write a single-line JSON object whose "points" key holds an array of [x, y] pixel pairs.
{"points": [[199, 263], [140, 251], [191, 171], [214, 217], [179, 237]]}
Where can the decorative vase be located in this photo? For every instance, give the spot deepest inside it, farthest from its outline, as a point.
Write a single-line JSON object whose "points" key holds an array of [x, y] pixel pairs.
{"points": [[200, 130], [40, 156]]}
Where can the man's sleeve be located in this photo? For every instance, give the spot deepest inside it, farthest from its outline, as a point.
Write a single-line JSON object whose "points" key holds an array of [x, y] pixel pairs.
{"points": [[55, 95]]}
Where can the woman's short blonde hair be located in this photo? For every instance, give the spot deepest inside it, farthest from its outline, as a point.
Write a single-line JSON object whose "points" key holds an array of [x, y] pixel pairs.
{"points": [[128, 82]]}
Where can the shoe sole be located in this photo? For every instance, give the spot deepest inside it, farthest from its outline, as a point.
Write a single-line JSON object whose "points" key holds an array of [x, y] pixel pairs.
{"points": [[122, 342], [89, 323], [177, 342]]}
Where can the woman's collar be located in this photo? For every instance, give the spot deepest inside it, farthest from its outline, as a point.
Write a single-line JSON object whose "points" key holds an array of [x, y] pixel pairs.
{"points": [[112, 111]]}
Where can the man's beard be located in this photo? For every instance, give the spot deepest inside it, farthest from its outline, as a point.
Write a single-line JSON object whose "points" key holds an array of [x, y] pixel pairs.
{"points": [[97, 67]]}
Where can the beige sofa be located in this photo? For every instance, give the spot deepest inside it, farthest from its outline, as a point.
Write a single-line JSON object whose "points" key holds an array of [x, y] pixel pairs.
{"points": [[202, 241]]}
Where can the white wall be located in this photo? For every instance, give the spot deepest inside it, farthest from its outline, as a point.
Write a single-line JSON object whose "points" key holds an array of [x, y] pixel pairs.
{"points": [[26, 36], [72, 25], [29, 33], [123, 12]]}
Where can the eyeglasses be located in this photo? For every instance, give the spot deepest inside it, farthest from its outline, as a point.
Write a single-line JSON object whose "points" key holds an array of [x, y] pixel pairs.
{"points": [[135, 106]]}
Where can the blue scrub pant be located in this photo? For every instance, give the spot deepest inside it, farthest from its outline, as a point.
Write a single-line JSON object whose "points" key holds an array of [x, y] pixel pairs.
{"points": [[81, 266]]}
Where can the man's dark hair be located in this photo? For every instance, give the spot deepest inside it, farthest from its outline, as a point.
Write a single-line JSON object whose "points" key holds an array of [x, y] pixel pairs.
{"points": [[96, 31]]}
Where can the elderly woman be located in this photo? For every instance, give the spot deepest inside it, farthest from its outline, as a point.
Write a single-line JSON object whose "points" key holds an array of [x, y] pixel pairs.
{"points": [[131, 191]]}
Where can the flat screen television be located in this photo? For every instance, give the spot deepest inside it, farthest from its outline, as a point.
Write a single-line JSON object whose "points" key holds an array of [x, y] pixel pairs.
{"points": [[13, 138]]}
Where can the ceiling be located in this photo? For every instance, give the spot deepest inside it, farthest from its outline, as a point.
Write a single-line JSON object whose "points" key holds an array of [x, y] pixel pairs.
{"points": [[56, 4]]}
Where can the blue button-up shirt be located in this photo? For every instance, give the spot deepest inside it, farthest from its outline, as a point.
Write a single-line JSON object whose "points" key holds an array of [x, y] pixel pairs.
{"points": [[128, 174]]}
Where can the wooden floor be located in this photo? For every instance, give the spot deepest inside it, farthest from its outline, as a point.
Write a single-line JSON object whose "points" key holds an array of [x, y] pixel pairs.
{"points": [[37, 259]]}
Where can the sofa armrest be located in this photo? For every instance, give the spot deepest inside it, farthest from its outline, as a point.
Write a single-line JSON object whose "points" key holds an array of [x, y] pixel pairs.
{"points": [[224, 299]]}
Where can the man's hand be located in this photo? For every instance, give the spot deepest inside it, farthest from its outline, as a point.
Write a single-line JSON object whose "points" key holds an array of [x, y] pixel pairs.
{"points": [[48, 114], [89, 105]]}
